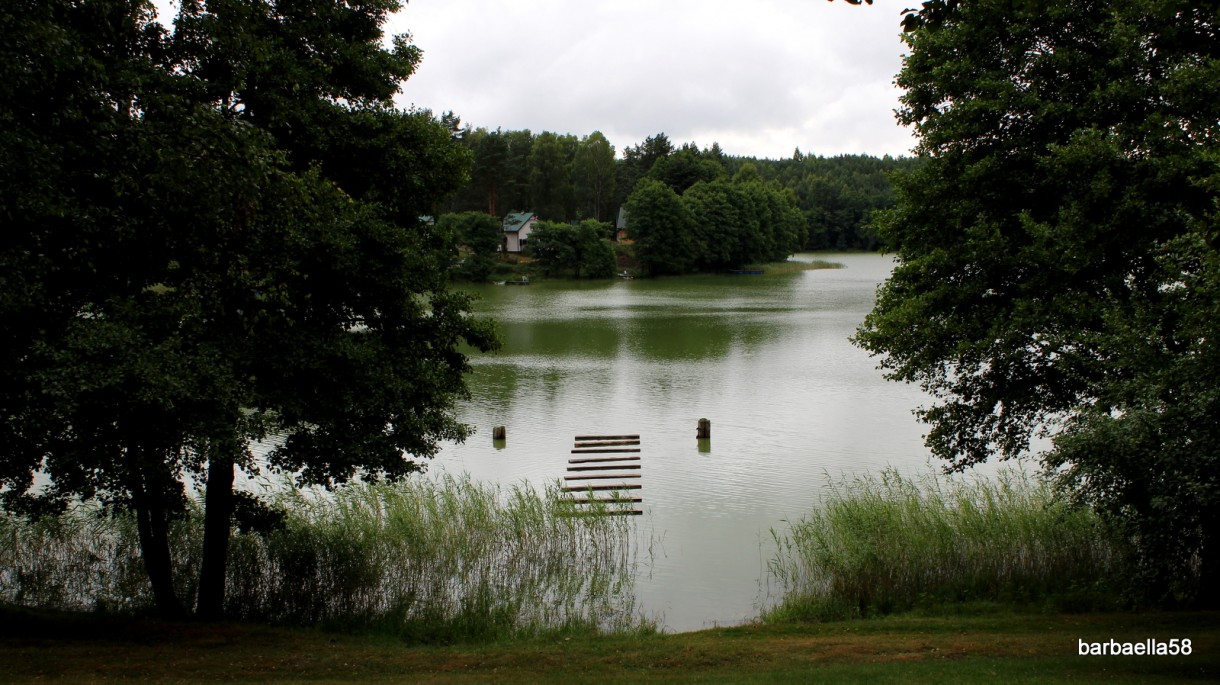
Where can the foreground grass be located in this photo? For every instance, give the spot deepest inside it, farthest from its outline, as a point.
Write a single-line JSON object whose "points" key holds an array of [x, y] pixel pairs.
{"points": [[1030, 648]]}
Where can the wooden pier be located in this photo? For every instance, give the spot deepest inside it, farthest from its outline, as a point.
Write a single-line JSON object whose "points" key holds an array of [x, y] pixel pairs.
{"points": [[583, 470]]}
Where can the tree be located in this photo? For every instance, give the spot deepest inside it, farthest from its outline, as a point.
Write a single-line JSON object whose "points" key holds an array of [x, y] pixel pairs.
{"points": [[597, 257], [211, 236], [648, 152], [517, 191], [550, 175], [581, 250], [1056, 257], [685, 168], [839, 195], [743, 222], [593, 173], [553, 244], [481, 234], [636, 162], [748, 173], [662, 227], [490, 157], [78, 257], [780, 227], [723, 221]]}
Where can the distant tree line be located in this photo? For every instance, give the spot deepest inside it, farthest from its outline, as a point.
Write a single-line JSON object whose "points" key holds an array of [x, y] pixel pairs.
{"points": [[715, 224], [558, 177], [564, 178]]}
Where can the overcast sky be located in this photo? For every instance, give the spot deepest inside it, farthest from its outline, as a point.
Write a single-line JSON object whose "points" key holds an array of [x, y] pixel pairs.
{"points": [[760, 77]]}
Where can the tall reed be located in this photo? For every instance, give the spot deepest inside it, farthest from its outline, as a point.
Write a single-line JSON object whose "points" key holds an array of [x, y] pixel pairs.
{"points": [[87, 559], [432, 560], [887, 543]]}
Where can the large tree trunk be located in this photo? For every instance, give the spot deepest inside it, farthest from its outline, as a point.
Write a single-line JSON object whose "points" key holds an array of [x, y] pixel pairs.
{"points": [[217, 523], [1209, 571], [152, 524]]}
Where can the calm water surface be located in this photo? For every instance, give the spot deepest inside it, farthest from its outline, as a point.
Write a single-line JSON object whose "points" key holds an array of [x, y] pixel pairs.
{"points": [[766, 359]]}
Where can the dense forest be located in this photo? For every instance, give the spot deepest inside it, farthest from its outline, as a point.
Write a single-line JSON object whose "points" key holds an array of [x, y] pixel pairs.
{"points": [[566, 178]]}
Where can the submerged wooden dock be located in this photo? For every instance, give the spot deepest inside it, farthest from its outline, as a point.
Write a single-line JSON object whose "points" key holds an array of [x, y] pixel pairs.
{"points": [[586, 473]]}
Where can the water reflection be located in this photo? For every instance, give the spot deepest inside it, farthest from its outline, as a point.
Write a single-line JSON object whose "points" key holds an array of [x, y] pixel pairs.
{"points": [[680, 323]]}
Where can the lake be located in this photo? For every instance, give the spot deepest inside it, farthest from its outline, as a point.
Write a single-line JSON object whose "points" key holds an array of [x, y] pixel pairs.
{"points": [[766, 359]]}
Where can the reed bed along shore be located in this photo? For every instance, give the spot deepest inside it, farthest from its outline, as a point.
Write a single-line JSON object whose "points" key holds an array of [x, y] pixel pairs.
{"points": [[887, 543], [441, 560]]}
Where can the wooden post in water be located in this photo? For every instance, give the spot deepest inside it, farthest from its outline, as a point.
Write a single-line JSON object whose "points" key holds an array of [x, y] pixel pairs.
{"points": [[498, 437], [705, 430]]}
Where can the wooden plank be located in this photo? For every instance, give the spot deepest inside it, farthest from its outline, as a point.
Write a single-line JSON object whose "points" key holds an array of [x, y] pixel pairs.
{"points": [[607, 500], [603, 476], [602, 488], [620, 512], [607, 437], [610, 467], [593, 460], [612, 440], [620, 450], [607, 443]]}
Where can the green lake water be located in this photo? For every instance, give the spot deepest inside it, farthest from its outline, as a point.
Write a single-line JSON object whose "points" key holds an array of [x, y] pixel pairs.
{"points": [[765, 358]]}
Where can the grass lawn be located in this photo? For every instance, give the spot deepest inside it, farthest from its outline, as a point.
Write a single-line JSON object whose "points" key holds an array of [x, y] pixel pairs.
{"points": [[1023, 648]]}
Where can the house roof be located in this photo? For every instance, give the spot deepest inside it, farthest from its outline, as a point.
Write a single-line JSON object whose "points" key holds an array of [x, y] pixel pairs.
{"points": [[515, 222]]}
